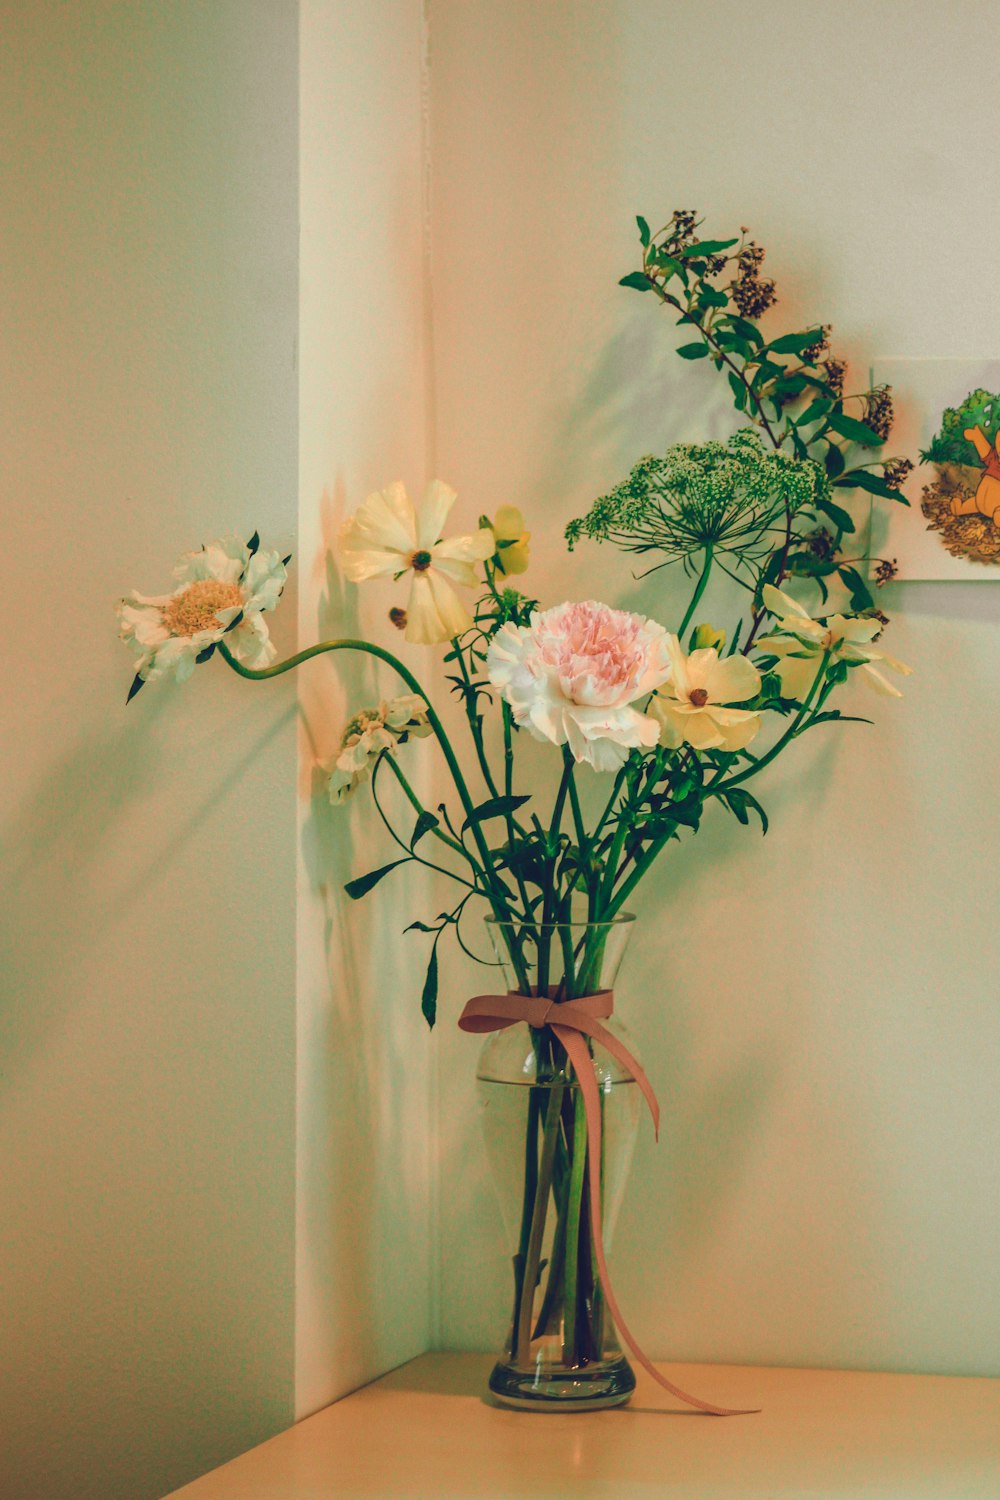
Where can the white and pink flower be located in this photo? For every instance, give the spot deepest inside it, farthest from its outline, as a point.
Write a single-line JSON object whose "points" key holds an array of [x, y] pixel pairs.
{"points": [[572, 675]]}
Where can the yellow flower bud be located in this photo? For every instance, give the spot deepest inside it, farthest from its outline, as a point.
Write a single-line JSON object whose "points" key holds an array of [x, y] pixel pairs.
{"points": [[707, 635], [508, 526]]}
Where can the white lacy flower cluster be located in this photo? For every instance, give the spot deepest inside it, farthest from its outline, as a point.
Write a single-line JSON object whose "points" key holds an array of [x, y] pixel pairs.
{"points": [[223, 590], [371, 733]]}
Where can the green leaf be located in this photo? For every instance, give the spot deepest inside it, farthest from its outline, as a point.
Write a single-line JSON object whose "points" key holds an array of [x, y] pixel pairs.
{"points": [[860, 594], [834, 713], [137, 683], [739, 391], [794, 343], [864, 479], [693, 351], [644, 233], [815, 410], [364, 883], [424, 824], [494, 807], [428, 999], [710, 296], [839, 517], [747, 330], [638, 280], [834, 461], [705, 247], [741, 803], [854, 431]]}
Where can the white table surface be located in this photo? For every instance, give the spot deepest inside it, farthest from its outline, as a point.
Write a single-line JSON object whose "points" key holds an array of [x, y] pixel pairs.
{"points": [[428, 1431]]}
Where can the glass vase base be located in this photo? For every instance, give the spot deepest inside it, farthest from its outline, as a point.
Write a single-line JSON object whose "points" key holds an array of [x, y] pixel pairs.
{"points": [[609, 1383]]}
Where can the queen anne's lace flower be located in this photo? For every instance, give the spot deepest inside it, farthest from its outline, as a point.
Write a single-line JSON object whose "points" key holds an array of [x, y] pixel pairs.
{"points": [[388, 536], [370, 733], [223, 590], [572, 674], [802, 642], [693, 708]]}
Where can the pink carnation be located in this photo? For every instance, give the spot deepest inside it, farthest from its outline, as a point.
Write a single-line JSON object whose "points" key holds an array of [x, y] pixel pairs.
{"points": [[572, 675]]}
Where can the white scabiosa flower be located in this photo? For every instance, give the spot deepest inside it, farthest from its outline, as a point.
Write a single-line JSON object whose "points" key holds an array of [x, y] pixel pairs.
{"points": [[696, 706], [388, 536], [370, 733], [223, 590], [802, 642], [572, 675]]}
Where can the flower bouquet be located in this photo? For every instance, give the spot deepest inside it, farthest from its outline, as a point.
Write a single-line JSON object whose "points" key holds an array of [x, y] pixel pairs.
{"points": [[664, 724]]}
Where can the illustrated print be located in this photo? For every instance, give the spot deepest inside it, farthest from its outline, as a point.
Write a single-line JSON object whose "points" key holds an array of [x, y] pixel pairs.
{"points": [[961, 501]]}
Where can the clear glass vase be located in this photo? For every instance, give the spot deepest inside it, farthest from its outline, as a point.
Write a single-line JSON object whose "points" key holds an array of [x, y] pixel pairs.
{"points": [[561, 1350]]}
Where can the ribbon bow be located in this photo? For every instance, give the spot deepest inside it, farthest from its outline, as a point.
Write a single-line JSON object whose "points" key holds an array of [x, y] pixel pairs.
{"points": [[571, 1020]]}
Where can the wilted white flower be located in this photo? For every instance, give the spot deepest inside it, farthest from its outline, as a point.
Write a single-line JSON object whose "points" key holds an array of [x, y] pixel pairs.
{"points": [[223, 590], [572, 674], [368, 735], [388, 536], [693, 708], [802, 642]]}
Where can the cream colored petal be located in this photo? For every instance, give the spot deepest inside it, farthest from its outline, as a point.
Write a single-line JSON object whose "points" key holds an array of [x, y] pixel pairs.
{"points": [[797, 675], [853, 630], [736, 725], [701, 731], [380, 537], [732, 679], [881, 684], [669, 721], [782, 605], [434, 613], [457, 556], [432, 512], [678, 667]]}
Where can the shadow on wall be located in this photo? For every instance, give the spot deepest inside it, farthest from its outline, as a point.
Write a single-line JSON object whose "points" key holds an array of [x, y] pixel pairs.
{"points": [[72, 825], [360, 1155]]}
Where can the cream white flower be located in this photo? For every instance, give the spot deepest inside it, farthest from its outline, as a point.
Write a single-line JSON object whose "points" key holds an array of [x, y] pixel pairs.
{"points": [[693, 708], [223, 590], [369, 734], [388, 536], [802, 641], [572, 674]]}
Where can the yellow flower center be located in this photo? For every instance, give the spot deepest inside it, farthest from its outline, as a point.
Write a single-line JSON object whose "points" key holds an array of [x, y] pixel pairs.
{"points": [[698, 697], [421, 561], [196, 607]]}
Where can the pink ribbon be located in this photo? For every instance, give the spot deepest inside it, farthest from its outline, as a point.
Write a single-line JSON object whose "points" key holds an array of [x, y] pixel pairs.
{"points": [[570, 1020]]}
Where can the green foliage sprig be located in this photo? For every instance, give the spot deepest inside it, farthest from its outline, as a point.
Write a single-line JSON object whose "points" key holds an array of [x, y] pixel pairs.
{"points": [[791, 386]]}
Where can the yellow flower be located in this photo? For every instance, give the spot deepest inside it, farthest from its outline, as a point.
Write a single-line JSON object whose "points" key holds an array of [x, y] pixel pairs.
{"points": [[707, 635], [508, 526], [692, 708], [802, 642]]}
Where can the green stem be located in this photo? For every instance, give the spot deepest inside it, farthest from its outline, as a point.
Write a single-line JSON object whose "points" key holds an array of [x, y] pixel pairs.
{"points": [[418, 808], [696, 596], [475, 728], [574, 1204], [718, 789], [522, 1340], [527, 1204], [495, 890]]}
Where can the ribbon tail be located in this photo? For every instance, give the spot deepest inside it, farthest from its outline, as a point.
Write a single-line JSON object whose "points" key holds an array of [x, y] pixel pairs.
{"points": [[583, 1064]]}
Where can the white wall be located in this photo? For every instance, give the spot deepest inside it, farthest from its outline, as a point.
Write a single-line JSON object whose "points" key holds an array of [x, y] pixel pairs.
{"points": [[363, 1276], [147, 1021], [817, 1010]]}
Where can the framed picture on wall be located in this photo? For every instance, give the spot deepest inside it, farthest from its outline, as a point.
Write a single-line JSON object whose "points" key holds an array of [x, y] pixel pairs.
{"points": [[948, 422]]}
